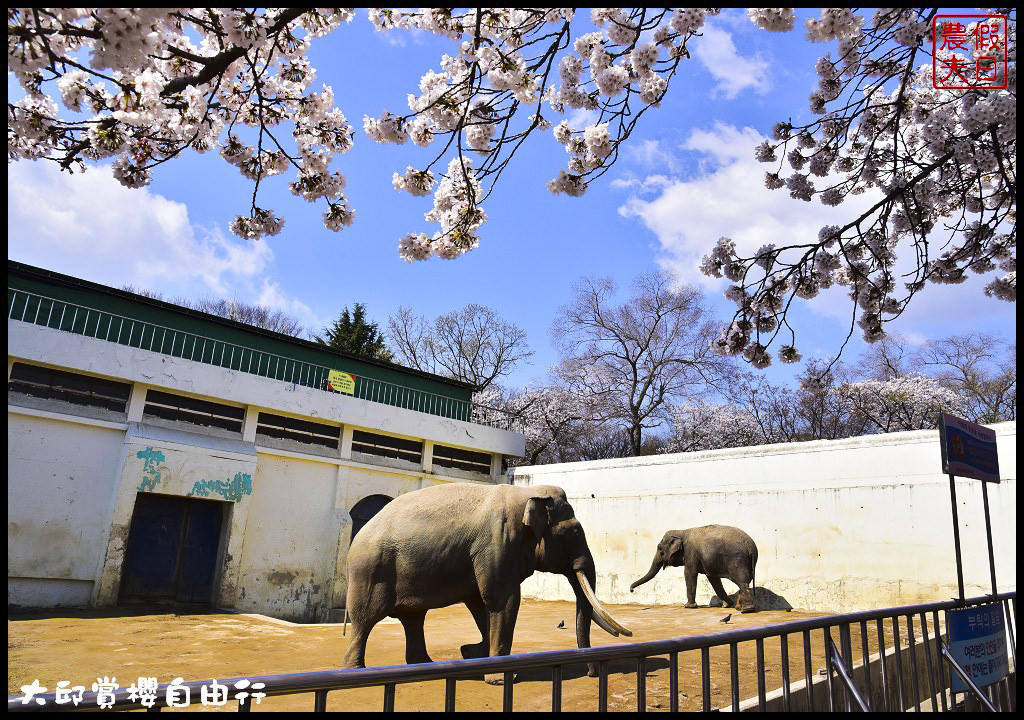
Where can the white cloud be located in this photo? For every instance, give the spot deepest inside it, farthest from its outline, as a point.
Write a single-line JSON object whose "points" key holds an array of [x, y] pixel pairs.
{"points": [[734, 73], [582, 117], [648, 184], [87, 225], [728, 198], [651, 154], [724, 143], [272, 296]]}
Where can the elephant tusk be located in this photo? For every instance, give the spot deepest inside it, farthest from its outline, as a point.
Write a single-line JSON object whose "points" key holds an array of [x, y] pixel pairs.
{"points": [[601, 616]]}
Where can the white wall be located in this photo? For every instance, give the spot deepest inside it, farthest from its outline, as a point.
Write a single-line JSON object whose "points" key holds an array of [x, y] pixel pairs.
{"points": [[72, 491], [840, 525], [74, 480], [291, 539], [60, 481]]}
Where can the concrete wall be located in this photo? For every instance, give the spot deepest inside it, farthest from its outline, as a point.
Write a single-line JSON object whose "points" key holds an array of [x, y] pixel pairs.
{"points": [[60, 481], [72, 490], [840, 525], [74, 479]]}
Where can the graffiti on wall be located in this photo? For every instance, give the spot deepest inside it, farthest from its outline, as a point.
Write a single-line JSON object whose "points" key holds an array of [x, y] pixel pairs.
{"points": [[152, 464], [155, 471], [232, 490]]}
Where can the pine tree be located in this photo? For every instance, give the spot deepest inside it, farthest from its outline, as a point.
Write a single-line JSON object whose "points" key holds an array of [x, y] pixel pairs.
{"points": [[351, 333]]}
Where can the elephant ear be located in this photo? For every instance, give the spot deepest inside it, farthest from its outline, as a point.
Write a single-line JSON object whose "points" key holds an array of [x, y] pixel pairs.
{"points": [[536, 516], [675, 545]]}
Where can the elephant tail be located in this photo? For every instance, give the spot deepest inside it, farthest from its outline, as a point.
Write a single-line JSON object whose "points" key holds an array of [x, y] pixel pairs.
{"points": [[344, 625], [753, 582]]}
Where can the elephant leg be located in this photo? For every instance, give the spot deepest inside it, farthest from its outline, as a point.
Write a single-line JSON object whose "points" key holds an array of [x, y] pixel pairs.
{"points": [[367, 605], [479, 611], [690, 575], [355, 655], [415, 644], [745, 598], [501, 626], [716, 583]]}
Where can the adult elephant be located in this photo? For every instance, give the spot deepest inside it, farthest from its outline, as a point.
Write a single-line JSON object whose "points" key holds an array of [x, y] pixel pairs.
{"points": [[472, 544], [717, 551]]}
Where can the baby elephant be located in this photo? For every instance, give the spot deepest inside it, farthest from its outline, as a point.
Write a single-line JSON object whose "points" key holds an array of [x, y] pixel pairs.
{"points": [[717, 551]]}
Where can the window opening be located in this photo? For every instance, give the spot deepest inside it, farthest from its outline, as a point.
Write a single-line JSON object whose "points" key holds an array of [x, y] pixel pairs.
{"points": [[51, 384], [303, 431], [462, 459], [387, 446], [193, 411]]}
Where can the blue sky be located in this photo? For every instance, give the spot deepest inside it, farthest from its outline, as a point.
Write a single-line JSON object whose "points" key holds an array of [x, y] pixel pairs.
{"points": [[687, 177]]}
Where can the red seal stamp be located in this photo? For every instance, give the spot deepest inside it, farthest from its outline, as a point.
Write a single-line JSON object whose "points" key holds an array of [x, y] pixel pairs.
{"points": [[969, 51]]}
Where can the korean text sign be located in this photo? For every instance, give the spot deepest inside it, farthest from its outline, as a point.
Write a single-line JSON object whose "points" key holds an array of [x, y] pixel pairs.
{"points": [[968, 449], [341, 382], [977, 641]]}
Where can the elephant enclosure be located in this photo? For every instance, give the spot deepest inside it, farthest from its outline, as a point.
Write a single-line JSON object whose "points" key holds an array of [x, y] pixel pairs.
{"points": [[171, 642]]}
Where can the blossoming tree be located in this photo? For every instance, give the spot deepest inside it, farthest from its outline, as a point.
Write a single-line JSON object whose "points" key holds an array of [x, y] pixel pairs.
{"points": [[142, 85]]}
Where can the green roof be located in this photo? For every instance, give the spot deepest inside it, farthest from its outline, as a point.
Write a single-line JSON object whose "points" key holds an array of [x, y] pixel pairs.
{"points": [[75, 305]]}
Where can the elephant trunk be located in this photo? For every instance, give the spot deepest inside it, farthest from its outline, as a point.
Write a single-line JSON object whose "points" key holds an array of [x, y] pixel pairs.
{"points": [[655, 568]]}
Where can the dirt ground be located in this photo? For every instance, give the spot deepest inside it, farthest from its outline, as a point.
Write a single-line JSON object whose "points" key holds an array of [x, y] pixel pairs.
{"points": [[169, 642]]}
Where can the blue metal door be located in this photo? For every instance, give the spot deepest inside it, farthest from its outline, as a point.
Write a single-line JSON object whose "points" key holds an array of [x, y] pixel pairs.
{"points": [[172, 548], [154, 542], [198, 563]]}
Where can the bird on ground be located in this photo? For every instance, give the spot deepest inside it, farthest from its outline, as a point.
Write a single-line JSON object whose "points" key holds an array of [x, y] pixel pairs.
{"points": [[561, 623], [726, 618]]}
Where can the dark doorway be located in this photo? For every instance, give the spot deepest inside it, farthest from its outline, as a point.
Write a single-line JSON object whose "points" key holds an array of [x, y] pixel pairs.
{"points": [[366, 509], [172, 548]]}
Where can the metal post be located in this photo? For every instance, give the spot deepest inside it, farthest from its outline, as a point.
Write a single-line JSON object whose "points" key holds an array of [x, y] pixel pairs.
{"points": [[449, 694], [673, 682], [705, 679], [602, 687], [556, 689], [734, 673], [784, 647], [759, 644], [808, 677], [988, 536], [641, 685], [956, 539]]}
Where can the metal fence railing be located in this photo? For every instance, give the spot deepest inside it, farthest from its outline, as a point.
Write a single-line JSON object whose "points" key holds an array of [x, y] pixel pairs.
{"points": [[899, 674], [81, 320]]}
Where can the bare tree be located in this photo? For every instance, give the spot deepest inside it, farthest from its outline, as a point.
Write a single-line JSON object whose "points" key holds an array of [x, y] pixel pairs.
{"points": [[552, 419], [628, 361], [982, 368], [888, 358], [259, 316], [472, 344]]}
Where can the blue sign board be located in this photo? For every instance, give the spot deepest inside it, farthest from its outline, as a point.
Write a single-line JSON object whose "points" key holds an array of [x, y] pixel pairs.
{"points": [[968, 449], [977, 641]]}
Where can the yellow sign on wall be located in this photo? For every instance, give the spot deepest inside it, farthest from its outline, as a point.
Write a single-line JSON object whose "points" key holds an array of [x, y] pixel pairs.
{"points": [[341, 382]]}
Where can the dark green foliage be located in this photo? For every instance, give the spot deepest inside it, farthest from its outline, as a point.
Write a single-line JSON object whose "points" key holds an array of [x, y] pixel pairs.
{"points": [[351, 333]]}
